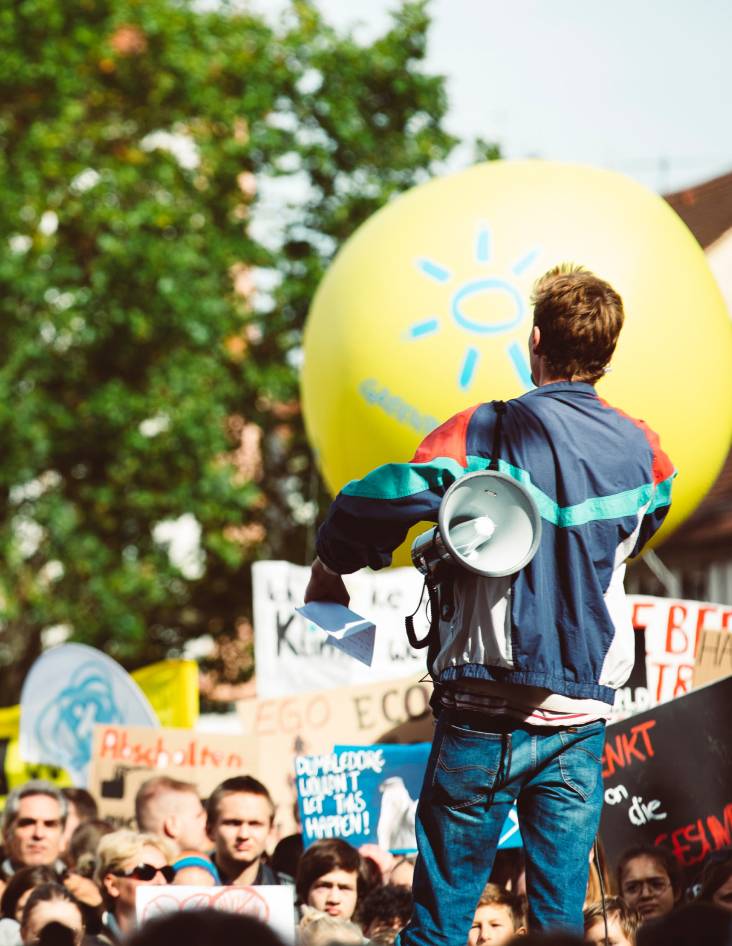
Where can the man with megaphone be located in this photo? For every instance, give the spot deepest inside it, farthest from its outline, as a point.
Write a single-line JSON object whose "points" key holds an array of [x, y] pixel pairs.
{"points": [[532, 634]]}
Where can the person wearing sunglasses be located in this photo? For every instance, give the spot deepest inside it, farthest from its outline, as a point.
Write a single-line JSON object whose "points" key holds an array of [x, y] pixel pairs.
{"points": [[126, 860]]}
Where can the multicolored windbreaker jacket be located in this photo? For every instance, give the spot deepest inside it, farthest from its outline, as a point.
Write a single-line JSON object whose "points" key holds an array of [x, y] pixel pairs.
{"points": [[603, 487]]}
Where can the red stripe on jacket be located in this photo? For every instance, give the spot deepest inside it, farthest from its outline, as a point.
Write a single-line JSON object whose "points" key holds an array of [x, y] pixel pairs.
{"points": [[447, 440]]}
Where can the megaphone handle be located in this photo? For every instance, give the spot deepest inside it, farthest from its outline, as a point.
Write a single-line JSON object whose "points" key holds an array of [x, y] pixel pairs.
{"points": [[500, 408], [434, 617]]}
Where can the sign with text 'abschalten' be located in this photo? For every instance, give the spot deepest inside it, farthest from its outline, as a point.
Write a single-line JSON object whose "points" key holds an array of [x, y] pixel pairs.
{"points": [[668, 778]]}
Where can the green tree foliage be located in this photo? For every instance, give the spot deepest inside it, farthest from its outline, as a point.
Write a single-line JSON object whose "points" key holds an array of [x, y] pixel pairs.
{"points": [[141, 380]]}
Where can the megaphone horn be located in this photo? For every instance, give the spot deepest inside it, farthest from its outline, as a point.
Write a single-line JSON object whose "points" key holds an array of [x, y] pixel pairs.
{"points": [[488, 523]]}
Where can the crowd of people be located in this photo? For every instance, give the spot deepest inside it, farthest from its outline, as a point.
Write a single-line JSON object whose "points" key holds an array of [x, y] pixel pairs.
{"points": [[70, 877]]}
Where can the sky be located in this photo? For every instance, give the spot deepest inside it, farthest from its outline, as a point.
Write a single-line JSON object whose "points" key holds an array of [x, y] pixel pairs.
{"points": [[639, 86]]}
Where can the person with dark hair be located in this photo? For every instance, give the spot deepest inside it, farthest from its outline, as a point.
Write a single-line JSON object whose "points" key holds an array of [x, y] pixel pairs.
{"points": [[716, 882], [385, 910], [525, 666], [51, 903], [649, 880], [240, 823], [205, 928], [82, 850], [695, 924], [14, 897], [82, 807], [509, 870], [331, 878]]}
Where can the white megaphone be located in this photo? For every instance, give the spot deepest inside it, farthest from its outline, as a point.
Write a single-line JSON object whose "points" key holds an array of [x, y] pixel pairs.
{"points": [[488, 523]]}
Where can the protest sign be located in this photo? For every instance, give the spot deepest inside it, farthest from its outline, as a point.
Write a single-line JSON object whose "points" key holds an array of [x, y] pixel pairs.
{"points": [[365, 795], [368, 795], [294, 656], [124, 756], [713, 659], [312, 723], [268, 904], [672, 628], [668, 778]]}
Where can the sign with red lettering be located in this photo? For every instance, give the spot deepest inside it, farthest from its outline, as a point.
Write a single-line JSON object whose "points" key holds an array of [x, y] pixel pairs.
{"points": [[673, 628], [124, 756], [668, 778]]}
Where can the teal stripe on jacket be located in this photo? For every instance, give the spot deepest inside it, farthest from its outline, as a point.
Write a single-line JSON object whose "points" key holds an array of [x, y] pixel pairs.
{"points": [[395, 481]]}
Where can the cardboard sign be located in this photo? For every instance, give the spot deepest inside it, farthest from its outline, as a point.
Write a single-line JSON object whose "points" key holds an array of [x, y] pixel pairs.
{"points": [[668, 778], [713, 657], [268, 904], [124, 757], [672, 629], [294, 656], [311, 723]]}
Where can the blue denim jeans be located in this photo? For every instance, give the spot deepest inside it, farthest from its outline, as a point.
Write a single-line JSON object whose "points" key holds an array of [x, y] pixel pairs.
{"points": [[477, 768]]}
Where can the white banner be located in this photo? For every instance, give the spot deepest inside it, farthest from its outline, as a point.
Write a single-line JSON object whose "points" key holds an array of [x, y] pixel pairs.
{"points": [[293, 656], [268, 904], [673, 627]]}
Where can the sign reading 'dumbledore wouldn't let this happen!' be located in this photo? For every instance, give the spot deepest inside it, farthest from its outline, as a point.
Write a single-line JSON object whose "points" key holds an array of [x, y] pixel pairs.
{"points": [[368, 795]]}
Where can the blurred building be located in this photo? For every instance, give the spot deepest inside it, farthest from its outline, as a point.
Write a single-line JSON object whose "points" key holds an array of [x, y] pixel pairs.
{"points": [[696, 561]]}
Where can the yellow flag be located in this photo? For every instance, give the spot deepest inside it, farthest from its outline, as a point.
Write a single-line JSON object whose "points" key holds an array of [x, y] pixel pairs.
{"points": [[171, 686], [13, 770]]}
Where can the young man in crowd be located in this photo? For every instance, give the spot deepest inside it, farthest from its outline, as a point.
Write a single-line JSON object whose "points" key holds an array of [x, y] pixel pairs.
{"points": [[172, 809], [499, 917], [331, 878], [240, 823], [525, 667], [622, 923]]}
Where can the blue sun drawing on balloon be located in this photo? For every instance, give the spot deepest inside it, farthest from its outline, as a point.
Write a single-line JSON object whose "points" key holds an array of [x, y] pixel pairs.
{"points": [[501, 290]]}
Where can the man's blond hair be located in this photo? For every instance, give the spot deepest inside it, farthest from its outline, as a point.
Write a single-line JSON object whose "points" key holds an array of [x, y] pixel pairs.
{"points": [[579, 317], [156, 799], [628, 919], [495, 895]]}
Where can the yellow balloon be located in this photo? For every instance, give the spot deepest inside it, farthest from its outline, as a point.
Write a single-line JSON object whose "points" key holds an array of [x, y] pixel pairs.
{"points": [[425, 311]]}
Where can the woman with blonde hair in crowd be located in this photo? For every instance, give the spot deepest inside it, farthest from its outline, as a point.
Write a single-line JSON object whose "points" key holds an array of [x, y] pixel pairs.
{"points": [[125, 861]]}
